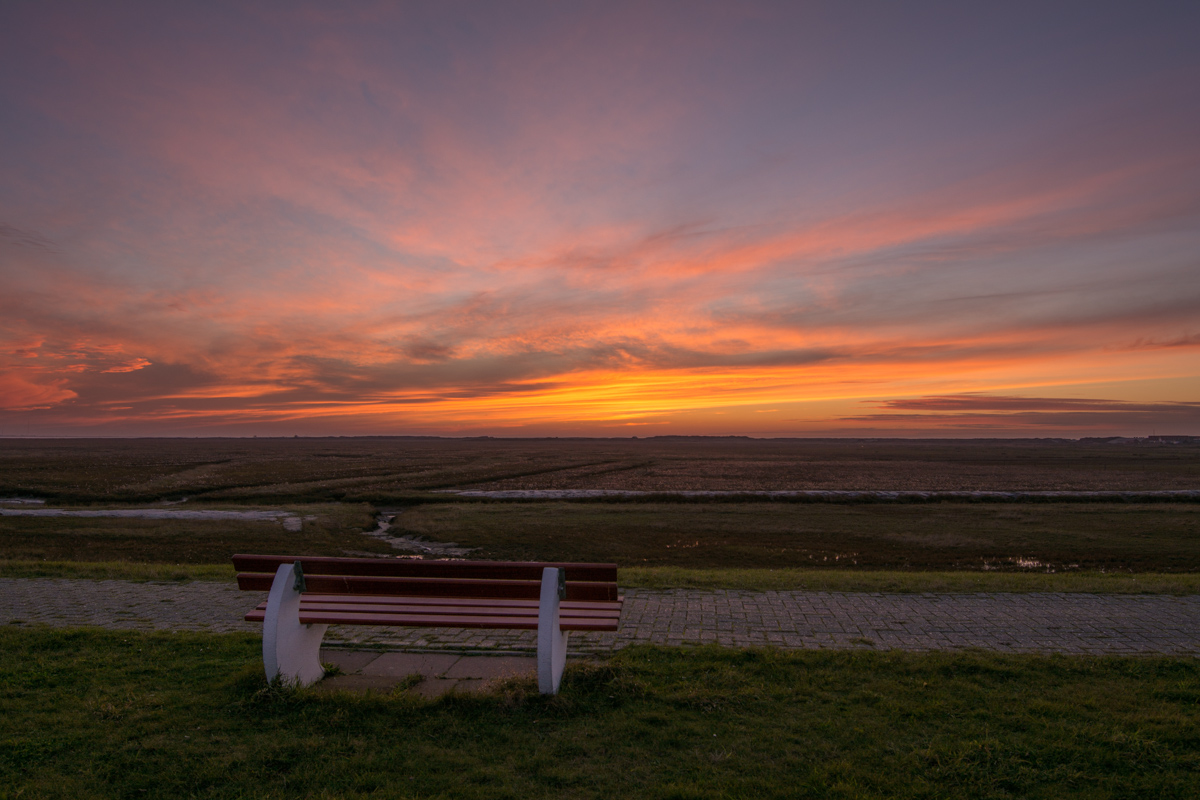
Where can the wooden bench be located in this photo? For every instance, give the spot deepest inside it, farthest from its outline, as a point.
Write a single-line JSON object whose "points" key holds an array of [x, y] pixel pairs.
{"points": [[308, 594]]}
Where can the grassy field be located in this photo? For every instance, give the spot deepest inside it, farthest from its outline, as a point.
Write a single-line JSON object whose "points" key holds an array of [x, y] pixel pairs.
{"points": [[138, 572], [1102, 547], [941, 536], [327, 529], [339, 483], [405, 470], [122, 714]]}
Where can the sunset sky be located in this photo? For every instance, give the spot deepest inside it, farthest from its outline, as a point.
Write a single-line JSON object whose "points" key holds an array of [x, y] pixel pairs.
{"points": [[600, 218]]}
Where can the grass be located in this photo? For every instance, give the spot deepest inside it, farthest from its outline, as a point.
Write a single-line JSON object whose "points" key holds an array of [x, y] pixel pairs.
{"points": [[1107, 548], [947, 547], [90, 713], [932, 537], [116, 571], [328, 529], [759, 580]]}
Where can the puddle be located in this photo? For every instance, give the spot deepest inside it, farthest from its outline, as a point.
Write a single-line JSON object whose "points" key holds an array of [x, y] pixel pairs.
{"points": [[414, 545], [295, 523], [1023, 562]]}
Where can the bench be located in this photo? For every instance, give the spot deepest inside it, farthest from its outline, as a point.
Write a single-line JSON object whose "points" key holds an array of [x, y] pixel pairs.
{"points": [[308, 594]]}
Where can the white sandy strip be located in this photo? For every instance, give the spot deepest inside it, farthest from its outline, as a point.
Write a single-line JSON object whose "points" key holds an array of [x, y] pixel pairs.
{"points": [[145, 513], [291, 522], [1192, 495]]}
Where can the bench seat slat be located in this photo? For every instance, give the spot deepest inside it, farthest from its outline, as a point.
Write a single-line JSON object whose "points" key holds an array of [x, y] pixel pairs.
{"points": [[417, 587], [567, 606], [452, 611], [384, 617], [529, 623], [443, 611], [432, 587], [444, 621]]}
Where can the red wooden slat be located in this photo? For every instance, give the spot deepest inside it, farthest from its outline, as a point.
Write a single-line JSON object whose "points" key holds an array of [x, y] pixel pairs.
{"points": [[434, 611], [387, 567], [467, 602], [516, 606], [411, 620], [447, 611], [415, 587], [431, 587], [457, 610], [420, 620], [438, 621]]}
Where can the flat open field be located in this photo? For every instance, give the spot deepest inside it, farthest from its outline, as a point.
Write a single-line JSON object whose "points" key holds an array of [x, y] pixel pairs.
{"points": [[938, 536], [397, 470], [337, 485], [325, 529], [979, 537]]}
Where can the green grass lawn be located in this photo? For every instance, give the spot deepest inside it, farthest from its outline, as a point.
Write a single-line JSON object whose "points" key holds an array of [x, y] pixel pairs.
{"points": [[91, 713], [934, 536]]}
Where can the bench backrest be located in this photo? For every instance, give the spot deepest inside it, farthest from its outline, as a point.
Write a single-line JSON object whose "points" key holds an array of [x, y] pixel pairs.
{"points": [[418, 578]]}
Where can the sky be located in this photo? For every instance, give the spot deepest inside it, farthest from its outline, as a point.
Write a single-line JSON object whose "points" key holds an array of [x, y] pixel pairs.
{"points": [[600, 219]]}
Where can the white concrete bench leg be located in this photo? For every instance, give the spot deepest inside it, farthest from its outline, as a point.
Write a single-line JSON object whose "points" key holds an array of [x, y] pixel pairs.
{"points": [[552, 639], [291, 650]]}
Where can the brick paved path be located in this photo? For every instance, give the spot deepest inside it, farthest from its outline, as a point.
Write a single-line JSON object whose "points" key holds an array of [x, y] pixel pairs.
{"points": [[1063, 623]]}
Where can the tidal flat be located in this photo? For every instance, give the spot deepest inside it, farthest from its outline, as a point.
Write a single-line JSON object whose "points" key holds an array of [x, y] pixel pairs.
{"points": [[408, 470]]}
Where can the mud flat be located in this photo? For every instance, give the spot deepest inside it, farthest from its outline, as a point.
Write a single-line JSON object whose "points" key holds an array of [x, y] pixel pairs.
{"points": [[386, 471]]}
